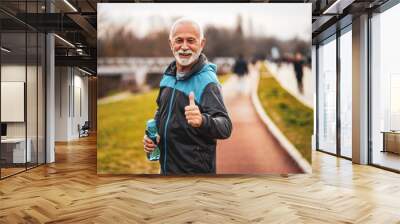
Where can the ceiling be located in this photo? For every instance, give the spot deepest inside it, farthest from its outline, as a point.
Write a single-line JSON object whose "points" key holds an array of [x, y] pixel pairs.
{"points": [[76, 21]]}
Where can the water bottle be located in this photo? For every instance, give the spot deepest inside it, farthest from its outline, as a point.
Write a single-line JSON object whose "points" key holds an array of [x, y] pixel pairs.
{"points": [[151, 132]]}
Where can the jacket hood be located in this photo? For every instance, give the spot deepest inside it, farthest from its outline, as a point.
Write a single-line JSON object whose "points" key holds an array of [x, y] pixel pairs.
{"points": [[200, 64]]}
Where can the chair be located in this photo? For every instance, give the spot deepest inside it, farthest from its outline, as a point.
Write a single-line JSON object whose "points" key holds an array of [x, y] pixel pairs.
{"points": [[84, 130]]}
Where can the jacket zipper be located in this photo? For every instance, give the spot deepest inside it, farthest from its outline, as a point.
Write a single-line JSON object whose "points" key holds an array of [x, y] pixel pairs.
{"points": [[165, 129]]}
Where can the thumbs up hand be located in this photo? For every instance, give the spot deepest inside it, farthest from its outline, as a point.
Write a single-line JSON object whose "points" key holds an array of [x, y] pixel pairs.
{"points": [[192, 113]]}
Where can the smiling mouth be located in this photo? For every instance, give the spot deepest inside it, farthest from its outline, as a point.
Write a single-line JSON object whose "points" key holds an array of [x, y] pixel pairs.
{"points": [[185, 55]]}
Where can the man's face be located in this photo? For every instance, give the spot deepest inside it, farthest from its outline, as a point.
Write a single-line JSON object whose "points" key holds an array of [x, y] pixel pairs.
{"points": [[186, 44]]}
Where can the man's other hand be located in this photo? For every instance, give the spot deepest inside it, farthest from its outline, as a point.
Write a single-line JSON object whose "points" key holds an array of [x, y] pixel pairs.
{"points": [[192, 113], [148, 144]]}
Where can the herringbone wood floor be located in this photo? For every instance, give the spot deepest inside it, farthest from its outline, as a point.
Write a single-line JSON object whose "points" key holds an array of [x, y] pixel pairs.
{"points": [[69, 191]]}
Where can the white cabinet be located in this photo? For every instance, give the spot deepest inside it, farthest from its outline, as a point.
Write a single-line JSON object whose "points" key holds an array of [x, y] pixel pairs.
{"points": [[19, 155]]}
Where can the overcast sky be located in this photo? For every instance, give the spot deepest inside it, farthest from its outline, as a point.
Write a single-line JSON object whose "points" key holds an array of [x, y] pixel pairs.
{"points": [[284, 21]]}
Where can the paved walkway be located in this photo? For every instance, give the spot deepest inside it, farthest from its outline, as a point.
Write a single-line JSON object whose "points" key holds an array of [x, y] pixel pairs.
{"points": [[251, 149]]}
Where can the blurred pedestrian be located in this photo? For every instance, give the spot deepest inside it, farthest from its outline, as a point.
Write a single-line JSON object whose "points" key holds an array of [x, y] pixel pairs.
{"points": [[298, 63], [240, 68]]}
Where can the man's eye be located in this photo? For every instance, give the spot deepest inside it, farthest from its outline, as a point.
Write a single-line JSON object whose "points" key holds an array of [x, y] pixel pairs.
{"points": [[178, 41]]}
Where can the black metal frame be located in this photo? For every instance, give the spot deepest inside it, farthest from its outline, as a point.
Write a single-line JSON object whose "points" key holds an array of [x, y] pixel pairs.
{"points": [[338, 98], [37, 93], [45, 90], [339, 32], [387, 5], [26, 89], [369, 100], [44, 79], [317, 97], [0, 89]]}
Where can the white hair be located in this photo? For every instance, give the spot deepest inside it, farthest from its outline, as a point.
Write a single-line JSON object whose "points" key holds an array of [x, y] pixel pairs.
{"points": [[186, 20]]}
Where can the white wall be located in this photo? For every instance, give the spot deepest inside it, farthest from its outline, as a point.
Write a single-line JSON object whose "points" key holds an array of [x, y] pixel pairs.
{"points": [[33, 126], [71, 94], [62, 81], [12, 73], [50, 94], [360, 90]]}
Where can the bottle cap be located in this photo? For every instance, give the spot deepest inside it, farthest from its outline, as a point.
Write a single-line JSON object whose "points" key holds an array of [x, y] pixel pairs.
{"points": [[151, 123], [152, 126]]}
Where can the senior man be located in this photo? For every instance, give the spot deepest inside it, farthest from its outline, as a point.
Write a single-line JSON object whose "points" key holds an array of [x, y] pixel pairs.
{"points": [[191, 114]]}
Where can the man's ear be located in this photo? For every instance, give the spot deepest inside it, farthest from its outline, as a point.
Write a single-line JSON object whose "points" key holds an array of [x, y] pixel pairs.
{"points": [[170, 44], [203, 43]]}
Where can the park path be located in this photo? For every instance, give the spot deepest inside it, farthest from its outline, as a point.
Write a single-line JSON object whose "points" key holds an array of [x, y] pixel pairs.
{"points": [[251, 149]]}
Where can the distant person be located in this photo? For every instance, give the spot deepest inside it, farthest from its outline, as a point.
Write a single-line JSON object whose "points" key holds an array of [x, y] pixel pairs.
{"points": [[298, 63], [240, 68], [191, 114]]}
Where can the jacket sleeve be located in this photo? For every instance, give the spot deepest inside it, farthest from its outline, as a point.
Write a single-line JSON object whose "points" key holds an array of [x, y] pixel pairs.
{"points": [[216, 122], [157, 113]]}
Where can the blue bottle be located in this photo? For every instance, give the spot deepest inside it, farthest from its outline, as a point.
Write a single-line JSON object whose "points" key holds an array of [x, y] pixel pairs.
{"points": [[151, 132]]}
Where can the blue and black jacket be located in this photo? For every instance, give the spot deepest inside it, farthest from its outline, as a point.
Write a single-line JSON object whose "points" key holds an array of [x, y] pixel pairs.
{"points": [[185, 149]]}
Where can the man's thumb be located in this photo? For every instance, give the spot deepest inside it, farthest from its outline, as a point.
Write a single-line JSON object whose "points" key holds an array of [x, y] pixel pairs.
{"points": [[191, 99]]}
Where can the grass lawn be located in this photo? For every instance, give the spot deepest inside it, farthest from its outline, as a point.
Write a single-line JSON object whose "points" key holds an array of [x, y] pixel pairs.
{"points": [[224, 77], [121, 127], [294, 119]]}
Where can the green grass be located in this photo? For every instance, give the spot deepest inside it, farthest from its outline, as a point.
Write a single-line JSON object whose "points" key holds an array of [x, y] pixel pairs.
{"points": [[224, 77], [121, 128], [294, 119]]}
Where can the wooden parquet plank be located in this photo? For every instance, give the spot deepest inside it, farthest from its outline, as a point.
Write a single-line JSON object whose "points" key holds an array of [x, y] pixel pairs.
{"points": [[70, 191]]}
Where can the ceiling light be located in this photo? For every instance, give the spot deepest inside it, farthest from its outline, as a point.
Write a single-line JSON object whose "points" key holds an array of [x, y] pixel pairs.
{"points": [[5, 50], [86, 72], [70, 5], [338, 6], [64, 40], [79, 51]]}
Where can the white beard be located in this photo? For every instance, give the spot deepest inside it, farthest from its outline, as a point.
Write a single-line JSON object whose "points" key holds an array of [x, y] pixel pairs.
{"points": [[186, 61]]}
